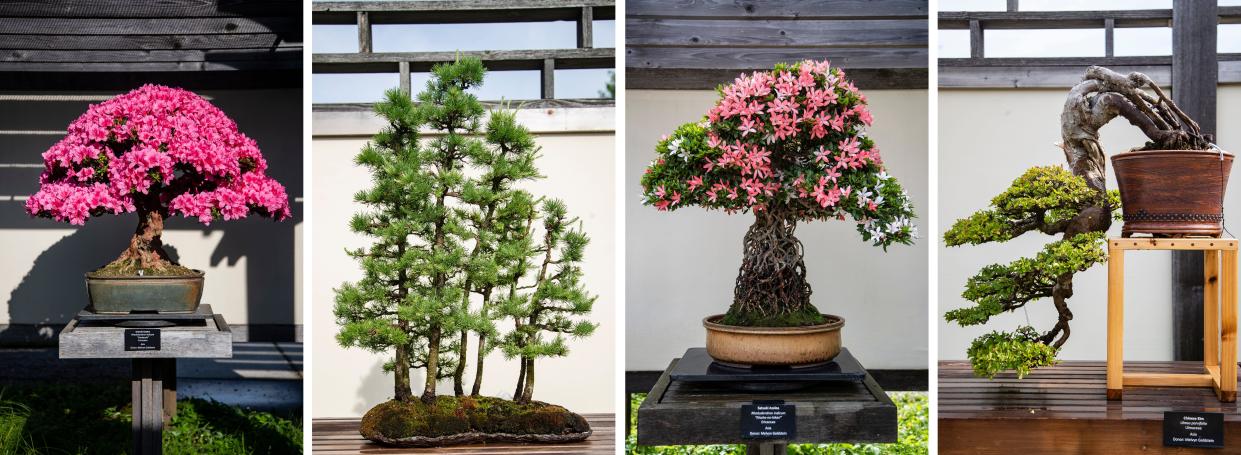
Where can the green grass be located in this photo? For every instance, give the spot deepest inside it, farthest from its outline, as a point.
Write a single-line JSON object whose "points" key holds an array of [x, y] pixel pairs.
{"points": [[911, 437], [90, 419]]}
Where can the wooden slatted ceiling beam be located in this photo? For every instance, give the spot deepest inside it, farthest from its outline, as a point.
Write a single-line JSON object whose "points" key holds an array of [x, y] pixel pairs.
{"points": [[386, 62], [777, 9], [772, 33], [163, 8], [960, 20], [457, 12]]}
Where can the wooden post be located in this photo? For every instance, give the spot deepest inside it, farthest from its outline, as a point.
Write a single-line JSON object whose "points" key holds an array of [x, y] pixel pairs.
{"points": [[976, 39], [1109, 37], [1013, 6], [148, 409], [1228, 327], [1210, 308], [549, 79], [403, 68], [168, 376], [364, 32], [1115, 321], [766, 448], [1194, 76], [585, 28]]}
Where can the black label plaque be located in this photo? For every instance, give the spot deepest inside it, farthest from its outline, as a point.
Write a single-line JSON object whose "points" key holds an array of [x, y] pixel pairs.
{"points": [[1193, 429], [141, 339], [768, 420]]}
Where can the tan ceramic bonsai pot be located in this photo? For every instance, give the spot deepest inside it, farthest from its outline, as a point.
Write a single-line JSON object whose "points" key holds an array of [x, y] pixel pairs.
{"points": [[772, 346]]}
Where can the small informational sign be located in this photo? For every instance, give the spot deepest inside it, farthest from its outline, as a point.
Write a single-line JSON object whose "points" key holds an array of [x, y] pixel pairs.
{"points": [[768, 420], [1193, 429], [141, 339]]}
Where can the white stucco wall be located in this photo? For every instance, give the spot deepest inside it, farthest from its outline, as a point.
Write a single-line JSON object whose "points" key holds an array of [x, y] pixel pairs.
{"points": [[681, 266], [252, 273], [579, 168], [987, 138]]}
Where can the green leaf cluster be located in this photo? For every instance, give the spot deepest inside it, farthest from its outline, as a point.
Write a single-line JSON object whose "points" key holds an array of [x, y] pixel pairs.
{"points": [[1045, 199], [1019, 351]]}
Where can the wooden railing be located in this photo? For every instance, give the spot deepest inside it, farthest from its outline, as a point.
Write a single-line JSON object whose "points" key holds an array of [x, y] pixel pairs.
{"points": [[699, 44], [981, 71], [367, 14]]}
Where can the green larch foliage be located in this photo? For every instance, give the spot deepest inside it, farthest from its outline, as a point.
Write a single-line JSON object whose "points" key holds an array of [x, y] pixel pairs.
{"points": [[457, 248]]}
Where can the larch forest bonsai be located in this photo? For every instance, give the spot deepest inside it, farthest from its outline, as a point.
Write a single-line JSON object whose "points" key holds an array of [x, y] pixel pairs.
{"points": [[1073, 204], [461, 254], [157, 151], [789, 146]]}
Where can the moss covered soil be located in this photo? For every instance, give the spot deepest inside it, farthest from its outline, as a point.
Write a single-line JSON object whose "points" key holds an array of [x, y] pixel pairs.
{"points": [[806, 316], [452, 415], [123, 269]]}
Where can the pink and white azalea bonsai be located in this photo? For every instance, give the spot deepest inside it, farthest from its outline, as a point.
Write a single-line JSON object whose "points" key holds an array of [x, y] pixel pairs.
{"points": [[788, 145], [157, 151]]}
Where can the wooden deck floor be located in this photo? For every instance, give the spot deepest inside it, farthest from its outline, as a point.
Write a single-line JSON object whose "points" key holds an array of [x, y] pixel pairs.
{"points": [[1064, 410], [340, 436]]}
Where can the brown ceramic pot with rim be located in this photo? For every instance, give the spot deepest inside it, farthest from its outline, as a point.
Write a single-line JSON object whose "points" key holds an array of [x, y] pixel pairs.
{"points": [[1172, 192], [773, 346]]}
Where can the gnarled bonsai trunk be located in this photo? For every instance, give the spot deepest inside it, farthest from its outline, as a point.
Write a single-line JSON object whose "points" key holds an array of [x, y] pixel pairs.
{"points": [[433, 364], [146, 248], [771, 286]]}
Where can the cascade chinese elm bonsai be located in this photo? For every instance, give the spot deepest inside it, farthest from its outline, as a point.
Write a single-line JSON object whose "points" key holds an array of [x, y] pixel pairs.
{"points": [[1074, 204], [789, 146], [157, 151], [459, 250]]}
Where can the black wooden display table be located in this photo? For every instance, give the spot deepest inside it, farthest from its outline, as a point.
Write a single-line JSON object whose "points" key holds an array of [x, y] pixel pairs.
{"points": [[154, 342], [679, 412]]}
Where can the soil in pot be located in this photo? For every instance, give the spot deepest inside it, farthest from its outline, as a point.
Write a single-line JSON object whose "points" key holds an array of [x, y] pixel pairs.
{"points": [[454, 420]]}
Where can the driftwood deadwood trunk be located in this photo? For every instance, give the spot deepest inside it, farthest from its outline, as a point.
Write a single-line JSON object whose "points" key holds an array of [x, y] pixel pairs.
{"points": [[1100, 97]]}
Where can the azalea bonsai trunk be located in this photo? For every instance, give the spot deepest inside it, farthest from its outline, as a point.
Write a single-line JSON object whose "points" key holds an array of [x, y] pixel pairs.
{"points": [[771, 289], [145, 253]]}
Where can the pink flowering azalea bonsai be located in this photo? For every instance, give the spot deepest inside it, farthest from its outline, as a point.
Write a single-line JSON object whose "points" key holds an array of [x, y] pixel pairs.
{"points": [[157, 151], [788, 145]]}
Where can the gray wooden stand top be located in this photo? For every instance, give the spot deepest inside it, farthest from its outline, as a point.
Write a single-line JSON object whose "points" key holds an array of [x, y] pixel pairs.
{"points": [[685, 413], [200, 335]]}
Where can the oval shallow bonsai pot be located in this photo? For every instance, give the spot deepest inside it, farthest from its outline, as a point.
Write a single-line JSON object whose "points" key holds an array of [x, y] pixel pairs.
{"points": [[773, 346], [144, 294], [1172, 192]]}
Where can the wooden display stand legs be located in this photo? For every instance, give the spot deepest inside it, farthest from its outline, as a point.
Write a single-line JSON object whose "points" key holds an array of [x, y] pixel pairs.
{"points": [[154, 389], [1219, 308]]}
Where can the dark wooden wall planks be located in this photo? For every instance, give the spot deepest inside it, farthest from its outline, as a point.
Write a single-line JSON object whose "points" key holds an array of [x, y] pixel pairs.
{"points": [[116, 44], [698, 44]]}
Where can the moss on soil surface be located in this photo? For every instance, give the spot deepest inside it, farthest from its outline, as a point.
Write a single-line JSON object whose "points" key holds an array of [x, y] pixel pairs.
{"points": [[807, 316], [123, 269], [451, 415]]}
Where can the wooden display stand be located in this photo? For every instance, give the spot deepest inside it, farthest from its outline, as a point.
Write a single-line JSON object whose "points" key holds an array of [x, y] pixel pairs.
{"points": [[202, 334], [1219, 293], [693, 413]]}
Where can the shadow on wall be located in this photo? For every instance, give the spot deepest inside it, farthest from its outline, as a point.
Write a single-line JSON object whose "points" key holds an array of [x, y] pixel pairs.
{"points": [[53, 288]]}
